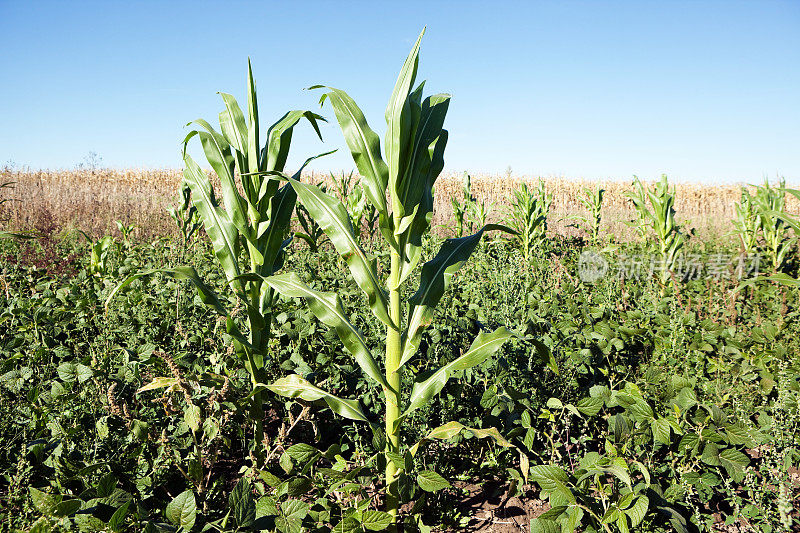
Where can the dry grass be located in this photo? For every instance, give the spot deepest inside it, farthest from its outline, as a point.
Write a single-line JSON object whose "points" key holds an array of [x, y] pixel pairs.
{"points": [[92, 200]]}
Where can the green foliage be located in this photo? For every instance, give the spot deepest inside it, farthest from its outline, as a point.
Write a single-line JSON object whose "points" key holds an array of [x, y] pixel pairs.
{"points": [[185, 215], [656, 211], [251, 226], [774, 223], [592, 201], [414, 148], [528, 218]]}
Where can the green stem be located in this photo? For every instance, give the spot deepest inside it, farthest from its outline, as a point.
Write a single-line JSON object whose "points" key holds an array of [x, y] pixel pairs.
{"points": [[394, 350]]}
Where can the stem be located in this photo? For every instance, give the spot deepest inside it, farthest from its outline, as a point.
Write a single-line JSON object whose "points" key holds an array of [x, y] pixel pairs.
{"points": [[394, 349], [259, 339]]}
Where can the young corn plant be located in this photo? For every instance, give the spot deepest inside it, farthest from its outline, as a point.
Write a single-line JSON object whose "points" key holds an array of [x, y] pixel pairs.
{"points": [[592, 200], [185, 215], [747, 223], [528, 217], [463, 206], [657, 214], [309, 231], [407, 169], [770, 204], [248, 231]]}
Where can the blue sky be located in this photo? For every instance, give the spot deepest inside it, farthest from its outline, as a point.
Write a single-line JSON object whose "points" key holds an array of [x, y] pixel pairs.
{"points": [[702, 91]]}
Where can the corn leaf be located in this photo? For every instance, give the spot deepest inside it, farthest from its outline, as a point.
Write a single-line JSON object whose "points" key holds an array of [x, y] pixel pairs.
{"points": [[327, 307], [220, 229], [399, 133], [482, 348], [434, 280], [294, 386], [334, 220], [364, 145]]}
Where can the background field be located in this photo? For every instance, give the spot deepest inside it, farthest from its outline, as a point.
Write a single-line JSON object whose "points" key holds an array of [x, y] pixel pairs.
{"points": [[92, 200]]}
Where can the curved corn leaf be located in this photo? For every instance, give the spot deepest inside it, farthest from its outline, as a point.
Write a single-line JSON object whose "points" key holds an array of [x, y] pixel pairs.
{"points": [[14, 235], [418, 178], [281, 206], [327, 307], [364, 145], [234, 126], [780, 278], [434, 280], [482, 348], [252, 122], [334, 220], [294, 386], [279, 137], [451, 429], [220, 229], [218, 153], [399, 134], [206, 293]]}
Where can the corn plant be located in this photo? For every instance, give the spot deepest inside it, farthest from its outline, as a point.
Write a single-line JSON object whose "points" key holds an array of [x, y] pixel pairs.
{"points": [[528, 218], [463, 206], [185, 215], [747, 223], [352, 196], [407, 169], [657, 214], [249, 230], [310, 231], [126, 231], [770, 204], [592, 201]]}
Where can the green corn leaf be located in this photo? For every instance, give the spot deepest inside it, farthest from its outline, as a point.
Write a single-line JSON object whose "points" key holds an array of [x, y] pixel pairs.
{"points": [[451, 429], [279, 137], [334, 220], [434, 280], [206, 293], [482, 348], [218, 153], [418, 178], [220, 229], [327, 307], [252, 122], [233, 125], [364, 145], [281, 206], [398, 138], [294, 386]]}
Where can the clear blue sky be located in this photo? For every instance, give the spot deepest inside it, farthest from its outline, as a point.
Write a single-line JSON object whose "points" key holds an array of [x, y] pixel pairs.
{"points": [[703, 91]]}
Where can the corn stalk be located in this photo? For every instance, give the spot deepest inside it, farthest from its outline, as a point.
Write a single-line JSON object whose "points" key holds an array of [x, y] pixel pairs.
{"points": [[407, 169], [249, 230], [528, 217], [655, 208], [770, 204], [592, 201]]}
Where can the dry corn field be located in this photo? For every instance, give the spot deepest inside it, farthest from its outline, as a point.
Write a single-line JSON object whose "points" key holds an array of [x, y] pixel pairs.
{"points": [[91, 200]]}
